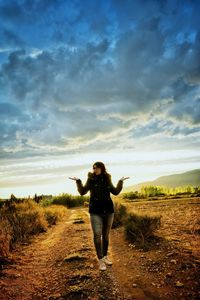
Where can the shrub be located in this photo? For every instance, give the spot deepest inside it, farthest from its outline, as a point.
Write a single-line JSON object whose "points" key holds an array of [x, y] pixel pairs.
{"points": [[5, 237], [130, 195], [119, 215], [20, 219], [53, 214], [25, 218], [139, 228], [46, 201], [70, 200]]}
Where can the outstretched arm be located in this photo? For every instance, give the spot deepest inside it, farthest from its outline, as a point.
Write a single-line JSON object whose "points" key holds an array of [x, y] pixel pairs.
{"points": [[116, 190], [83, 189]]}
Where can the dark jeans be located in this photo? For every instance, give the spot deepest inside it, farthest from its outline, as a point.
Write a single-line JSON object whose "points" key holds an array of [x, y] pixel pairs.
{"points": [[101, 225]]}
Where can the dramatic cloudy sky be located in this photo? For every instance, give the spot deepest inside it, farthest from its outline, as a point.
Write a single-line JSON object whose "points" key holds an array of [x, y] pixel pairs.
{"points": [[83, 81]]}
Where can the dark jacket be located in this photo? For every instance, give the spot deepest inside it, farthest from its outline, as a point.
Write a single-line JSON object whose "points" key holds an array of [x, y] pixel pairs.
{"points": [[100, 187]]}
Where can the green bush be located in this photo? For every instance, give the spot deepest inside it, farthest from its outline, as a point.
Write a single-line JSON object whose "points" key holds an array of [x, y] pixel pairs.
{"points": [[157, 191], [139, 228], [46, 201], [119, 215], [70, 200], [130, 195]]}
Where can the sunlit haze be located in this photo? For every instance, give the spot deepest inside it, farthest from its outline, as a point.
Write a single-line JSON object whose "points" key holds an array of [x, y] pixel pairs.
{"points": [[50, 175]]}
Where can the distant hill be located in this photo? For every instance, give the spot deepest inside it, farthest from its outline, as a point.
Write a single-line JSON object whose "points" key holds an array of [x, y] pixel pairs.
{"points": [[174, 180]]}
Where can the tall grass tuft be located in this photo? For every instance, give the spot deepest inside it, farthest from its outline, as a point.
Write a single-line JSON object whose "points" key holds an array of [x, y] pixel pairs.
{"points": [[5, 237], [119, 215], [140, 227], [53, 214]]}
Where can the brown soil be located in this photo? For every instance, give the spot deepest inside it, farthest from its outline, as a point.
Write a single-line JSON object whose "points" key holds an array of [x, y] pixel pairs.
{"points": [[61, 264]]}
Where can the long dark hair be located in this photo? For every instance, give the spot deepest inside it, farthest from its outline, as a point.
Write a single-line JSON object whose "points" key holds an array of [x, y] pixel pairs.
{"points": [[100, 165]]}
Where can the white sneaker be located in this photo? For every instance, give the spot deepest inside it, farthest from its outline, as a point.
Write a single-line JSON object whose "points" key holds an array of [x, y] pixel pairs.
{"points": [[107, 260], [102, 265]]}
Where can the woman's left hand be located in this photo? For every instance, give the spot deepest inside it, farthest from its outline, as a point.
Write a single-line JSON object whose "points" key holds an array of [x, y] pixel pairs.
{"points": [[124, 178]]}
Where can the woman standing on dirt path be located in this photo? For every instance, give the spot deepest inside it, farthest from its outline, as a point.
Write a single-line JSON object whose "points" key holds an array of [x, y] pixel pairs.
{"points": [[101, 208]]}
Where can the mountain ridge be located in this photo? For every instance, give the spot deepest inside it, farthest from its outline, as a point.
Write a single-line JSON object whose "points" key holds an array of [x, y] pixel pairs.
{"points": [[191, 177]]}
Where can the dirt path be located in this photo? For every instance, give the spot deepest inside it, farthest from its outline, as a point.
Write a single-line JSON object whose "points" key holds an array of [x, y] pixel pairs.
{"points": [[44, 269], [61, 264]]}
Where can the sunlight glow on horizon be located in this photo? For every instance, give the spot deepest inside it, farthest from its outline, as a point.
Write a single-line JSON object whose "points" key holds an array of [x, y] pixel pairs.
{"points": [[50, 175]]}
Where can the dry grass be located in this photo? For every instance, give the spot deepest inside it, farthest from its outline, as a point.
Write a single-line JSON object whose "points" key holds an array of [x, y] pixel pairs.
{"points": [[54, 213], [180, 220], [120, 214], [5, 237], [21, 220], [140, 227]]}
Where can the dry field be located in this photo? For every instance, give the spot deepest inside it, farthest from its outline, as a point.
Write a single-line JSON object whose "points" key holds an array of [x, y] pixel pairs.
{"points": [[61, 263]]}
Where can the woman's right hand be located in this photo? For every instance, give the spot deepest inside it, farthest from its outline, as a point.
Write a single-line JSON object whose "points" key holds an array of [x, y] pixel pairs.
{"points": [[73, 178]]}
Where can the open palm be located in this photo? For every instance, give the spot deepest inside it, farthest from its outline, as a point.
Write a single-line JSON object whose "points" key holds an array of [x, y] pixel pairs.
{"points": [[124, 178], [73, 178]]}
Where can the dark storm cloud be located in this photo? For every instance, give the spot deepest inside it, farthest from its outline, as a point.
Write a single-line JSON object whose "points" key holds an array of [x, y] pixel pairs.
{"points": [[9, 38], [25, 11], [11, 10], [85, 72]]}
